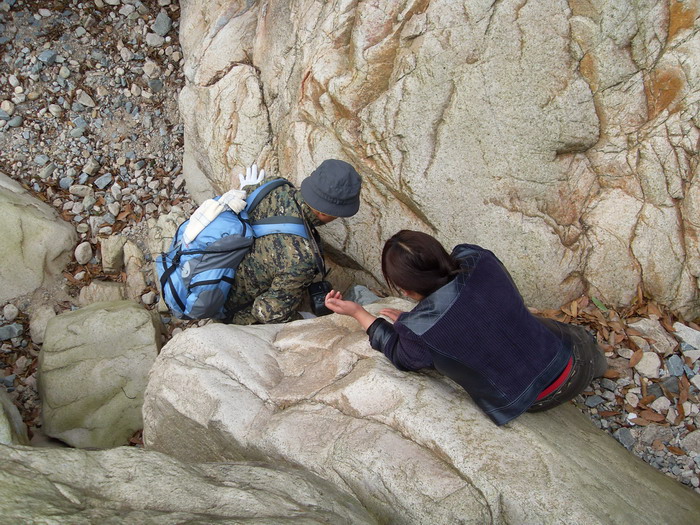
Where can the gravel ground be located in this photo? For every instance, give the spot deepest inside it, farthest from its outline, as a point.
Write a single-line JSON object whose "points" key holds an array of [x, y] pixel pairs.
{"points": [[88, 98]]}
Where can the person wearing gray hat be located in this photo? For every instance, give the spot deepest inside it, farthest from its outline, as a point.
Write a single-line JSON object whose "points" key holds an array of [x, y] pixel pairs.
{"points": [[333, 189], [273, 278]]}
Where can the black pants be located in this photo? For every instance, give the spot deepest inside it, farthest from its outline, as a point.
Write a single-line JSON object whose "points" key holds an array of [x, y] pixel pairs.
{"points": [[588, 363]]}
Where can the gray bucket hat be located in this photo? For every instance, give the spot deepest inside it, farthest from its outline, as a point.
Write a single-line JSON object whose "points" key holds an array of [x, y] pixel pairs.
{"points": [[333, 188]]}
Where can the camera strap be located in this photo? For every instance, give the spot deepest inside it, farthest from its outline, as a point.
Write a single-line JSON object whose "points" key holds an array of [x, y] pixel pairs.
{"points": [[314, 240]]}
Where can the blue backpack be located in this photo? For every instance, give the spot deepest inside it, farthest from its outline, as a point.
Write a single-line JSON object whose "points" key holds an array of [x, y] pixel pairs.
{"points": [[196, 282]]}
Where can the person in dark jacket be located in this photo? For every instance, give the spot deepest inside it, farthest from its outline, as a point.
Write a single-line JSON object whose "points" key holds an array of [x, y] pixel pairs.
{"points": [[472, 325]]}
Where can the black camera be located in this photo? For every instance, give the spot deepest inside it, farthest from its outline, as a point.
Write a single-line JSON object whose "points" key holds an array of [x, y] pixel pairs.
{"points": [[317, 294]]}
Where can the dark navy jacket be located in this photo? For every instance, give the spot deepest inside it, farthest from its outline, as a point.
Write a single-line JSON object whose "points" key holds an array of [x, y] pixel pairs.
{"points": [[477, 331]]}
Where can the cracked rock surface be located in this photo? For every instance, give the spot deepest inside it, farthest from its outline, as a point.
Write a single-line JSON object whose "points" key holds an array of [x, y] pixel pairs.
{"points": [[129, 485], [562, 135], [111, 346], [411, 447]]}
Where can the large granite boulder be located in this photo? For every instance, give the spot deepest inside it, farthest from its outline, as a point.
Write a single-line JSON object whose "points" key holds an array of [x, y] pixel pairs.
{"points": [[558, 131], [13, 431], [93, 370], [412, 447], [36, 243], [129, 485]]}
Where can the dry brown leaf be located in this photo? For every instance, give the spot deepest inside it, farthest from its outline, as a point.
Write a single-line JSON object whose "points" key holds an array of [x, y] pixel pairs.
{"points": [[601, 318], [652, 416], [675, 450], [653, 309], [611, 338], [636, 357], [667, 323], [641, 422], [583, 302], [617, 326], [629, 408], [609, 413], [684, 389], [681, 412], [611, 373], [647, 399]]}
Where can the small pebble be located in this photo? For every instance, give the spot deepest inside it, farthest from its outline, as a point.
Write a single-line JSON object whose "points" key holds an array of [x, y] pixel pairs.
{"points": [[83, 253], [10, 312]]}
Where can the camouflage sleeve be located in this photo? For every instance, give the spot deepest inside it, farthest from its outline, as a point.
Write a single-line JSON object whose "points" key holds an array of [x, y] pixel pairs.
{"points": [[279, 304]]}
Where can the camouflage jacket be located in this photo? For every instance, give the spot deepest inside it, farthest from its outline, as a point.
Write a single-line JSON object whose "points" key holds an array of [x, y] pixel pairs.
{"points": [[272, 279]]}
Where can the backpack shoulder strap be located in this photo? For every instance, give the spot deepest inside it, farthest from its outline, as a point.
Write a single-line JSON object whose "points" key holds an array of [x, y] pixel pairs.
{"points": [[262, 191], [279, 224], [276, 224]]}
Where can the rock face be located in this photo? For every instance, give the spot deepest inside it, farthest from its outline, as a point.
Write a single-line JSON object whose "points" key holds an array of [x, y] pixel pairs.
{"points": [[556, 131], [36, 243], [413, 448], [128, 485], [12, 430], [93, 370]]}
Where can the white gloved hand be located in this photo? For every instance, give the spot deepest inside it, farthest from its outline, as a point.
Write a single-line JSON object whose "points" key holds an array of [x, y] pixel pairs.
{"points": [[234, 199], [251, 176]]}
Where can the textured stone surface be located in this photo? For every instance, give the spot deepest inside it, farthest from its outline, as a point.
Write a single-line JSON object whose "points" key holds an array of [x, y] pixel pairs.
{"points": [[129, 485], [93, 370], [12, 430], [413, 448], [559, 131], [36, 243]]}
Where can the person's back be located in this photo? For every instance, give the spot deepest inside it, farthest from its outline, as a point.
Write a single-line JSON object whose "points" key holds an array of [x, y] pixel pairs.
{"points": [[472, 325], [271, 280], [477, 330]]}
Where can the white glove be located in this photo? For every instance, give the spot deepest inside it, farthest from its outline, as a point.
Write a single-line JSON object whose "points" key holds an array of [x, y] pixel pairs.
{"points": [[208, 211], [234, 199], [201, 217], [251, 176]]}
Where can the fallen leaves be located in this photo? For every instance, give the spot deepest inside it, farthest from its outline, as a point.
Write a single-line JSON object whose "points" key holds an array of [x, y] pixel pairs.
{"points": [[636, 357], [651, 416], [625, 347], [675, 450]]}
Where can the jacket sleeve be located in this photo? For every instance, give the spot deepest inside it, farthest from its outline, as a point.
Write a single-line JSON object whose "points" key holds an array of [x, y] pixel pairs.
{"points": [[401, 346]]}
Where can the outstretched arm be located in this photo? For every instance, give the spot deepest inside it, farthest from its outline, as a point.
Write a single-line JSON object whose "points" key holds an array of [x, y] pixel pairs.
{"points": [[335, 303], [407, 355]]}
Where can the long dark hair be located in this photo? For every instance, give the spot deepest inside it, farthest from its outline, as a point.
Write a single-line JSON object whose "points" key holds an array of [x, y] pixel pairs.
{"points": [[417, 261]]}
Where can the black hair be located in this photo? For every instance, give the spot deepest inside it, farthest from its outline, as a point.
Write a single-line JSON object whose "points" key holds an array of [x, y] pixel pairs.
{"points": [[416, 261]]}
